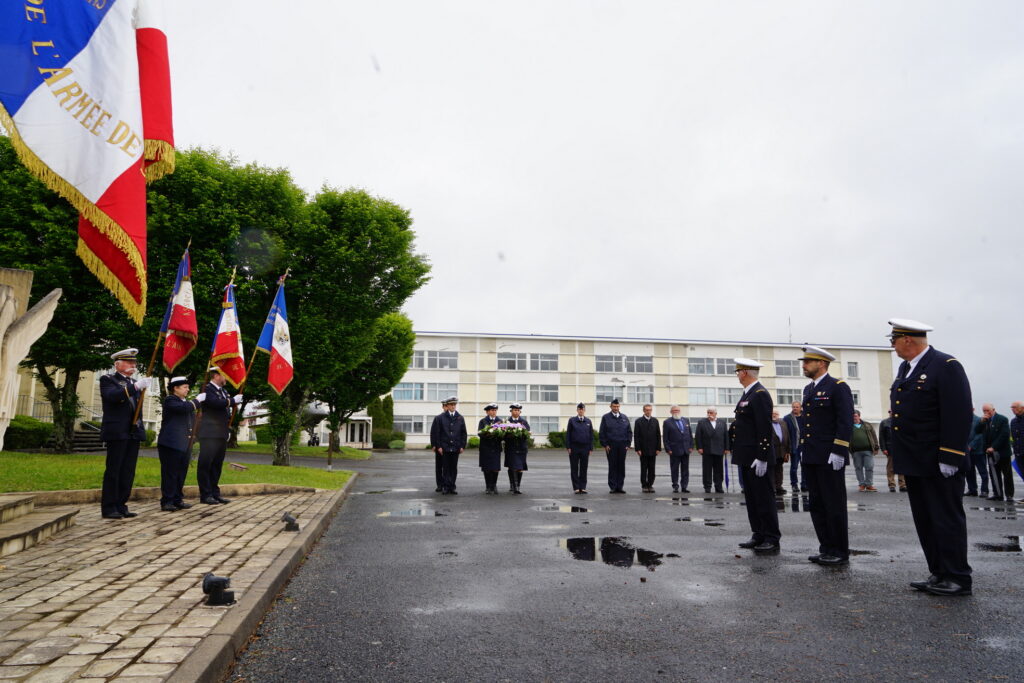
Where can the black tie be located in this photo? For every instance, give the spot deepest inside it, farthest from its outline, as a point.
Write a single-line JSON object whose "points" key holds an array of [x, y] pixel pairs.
{"points": [[904, 369]]}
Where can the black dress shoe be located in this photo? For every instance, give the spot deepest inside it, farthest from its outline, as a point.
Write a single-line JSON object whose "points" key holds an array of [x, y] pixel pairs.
{"points": [[129, 514], [709, 491], [454, 492], [766, 548], [680, 490], [675, 489], [719, 491], [813, 558], [947, 588], [583, 491], [167, 507], [903, 489], [832, 560], [970, 493], [183, 506], [210, 501], [750, 544], [923, 585], [993, 498], [113, 515], [437, 490], [222, 501]]}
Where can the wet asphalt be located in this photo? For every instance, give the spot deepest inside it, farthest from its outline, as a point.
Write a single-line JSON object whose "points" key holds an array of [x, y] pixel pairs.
{"points": [[409, 585]]}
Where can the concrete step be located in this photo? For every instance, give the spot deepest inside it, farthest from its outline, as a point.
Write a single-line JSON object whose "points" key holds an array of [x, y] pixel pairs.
{"points": [[34, 528], [14, 505]]}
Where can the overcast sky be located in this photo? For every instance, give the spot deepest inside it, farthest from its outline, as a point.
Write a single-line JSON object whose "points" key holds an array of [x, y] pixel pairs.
{"points": [[699, 170]]}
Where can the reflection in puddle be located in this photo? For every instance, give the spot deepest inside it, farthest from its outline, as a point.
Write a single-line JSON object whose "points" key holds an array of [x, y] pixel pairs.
{"points": [[700, 520], [796, 504], [370, 493], [1012, 546], [863, 552], [414, 512], [1008, 508], [858, 507], [559, 508], [615, 550]]}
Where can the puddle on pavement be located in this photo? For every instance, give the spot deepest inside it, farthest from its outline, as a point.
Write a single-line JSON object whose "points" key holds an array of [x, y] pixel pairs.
{"points": [[447, 554], [1013, 545], [796, 504], [413, 512], [1008, 508], [716, 503], [370, 493], [559, 508], [616, 551], [863, 552], [701, 520]]}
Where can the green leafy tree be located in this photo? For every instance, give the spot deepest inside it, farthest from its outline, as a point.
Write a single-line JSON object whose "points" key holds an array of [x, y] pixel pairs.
{"points": [[388, 404]]}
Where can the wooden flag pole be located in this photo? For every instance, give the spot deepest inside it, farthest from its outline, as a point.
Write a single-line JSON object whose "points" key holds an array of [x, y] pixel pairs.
{"points": [[199, 412]]}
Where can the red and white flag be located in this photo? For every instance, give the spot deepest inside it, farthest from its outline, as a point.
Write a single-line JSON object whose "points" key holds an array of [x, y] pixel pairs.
{"points": [[180, 330], [276, 340], [227, 343]]}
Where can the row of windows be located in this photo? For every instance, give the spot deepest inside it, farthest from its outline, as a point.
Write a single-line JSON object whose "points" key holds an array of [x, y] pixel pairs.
{"points": [[449, 360]]}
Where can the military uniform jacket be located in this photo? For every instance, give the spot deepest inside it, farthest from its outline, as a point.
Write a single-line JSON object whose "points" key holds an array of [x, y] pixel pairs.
{"points": [[490, 447], [216, 413], [119, 397], [516, 447], [931, 416], [615, 431], [753, 428], [826, 424], [579, 433], [448, 432], [647, 436], [176, 425]]}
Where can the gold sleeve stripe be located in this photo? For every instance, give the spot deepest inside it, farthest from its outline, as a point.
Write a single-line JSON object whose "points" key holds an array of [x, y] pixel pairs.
{"points": [[840, 442], [950, 450]]}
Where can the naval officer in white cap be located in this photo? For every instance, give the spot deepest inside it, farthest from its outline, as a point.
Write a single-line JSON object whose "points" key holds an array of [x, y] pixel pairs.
{"points": [[119, 394], [931, 424], [753, 454]]}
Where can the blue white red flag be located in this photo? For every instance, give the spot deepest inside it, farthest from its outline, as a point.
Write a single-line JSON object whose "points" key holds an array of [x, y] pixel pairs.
{"points": [[180, 330], [85, 96], [227, 343], [276, 340]]}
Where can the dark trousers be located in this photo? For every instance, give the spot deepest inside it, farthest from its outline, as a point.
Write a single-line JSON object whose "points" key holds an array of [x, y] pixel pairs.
{"points": [[779, 474], [711, 469], [826, 501], [119, 475], [938, 509], [449, 469], [617, 465], [794, 469], [759, 494], [1000, 475], [978, 468], [437, 470], [211, 460], [579, 459], [173, 468], [490, 480], [679, 466], [647, 470]]}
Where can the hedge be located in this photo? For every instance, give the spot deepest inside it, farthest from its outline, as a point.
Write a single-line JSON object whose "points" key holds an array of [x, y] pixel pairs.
{"points": [[27, 432], [262, 433]]}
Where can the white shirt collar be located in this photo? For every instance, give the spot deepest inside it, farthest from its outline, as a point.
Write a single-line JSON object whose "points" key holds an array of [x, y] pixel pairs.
{"points": [[913, 361], [823, 376], [750, 386]]}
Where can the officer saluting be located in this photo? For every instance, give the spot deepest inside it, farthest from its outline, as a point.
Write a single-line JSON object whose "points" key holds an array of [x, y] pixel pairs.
{"points": [[490, 449], [753, 454], [120, 395], [826, 425], [931, 424], [213, 436]]}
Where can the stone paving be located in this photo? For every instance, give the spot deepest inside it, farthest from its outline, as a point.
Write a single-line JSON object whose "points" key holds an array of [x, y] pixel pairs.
{"points": [[122, 599]]}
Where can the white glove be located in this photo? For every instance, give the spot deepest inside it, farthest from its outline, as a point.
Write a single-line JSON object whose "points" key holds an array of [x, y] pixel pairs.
{"points": [[948, 470], [144, 384], [837, 462], [200, 397], [237, 399], [760, 467]]}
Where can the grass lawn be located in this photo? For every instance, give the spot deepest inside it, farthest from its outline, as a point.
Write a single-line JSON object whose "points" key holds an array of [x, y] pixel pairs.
{"points": [[48, 472], [347, 453]]}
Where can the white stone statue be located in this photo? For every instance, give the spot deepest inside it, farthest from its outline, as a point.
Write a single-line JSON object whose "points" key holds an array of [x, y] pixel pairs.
{"points": [[19, 329]]}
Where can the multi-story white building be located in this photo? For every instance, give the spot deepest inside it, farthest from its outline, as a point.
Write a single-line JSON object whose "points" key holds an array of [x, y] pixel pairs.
{"points": [[549, 375]]}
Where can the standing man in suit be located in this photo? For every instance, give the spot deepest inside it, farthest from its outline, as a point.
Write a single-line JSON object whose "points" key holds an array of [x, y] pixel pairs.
{"points": [[615, 435], [490, 449], [678, 444], [826, 429], [579, 441], [213, 436], [752, 452], [931, 422], [713, 443], [977, 459], [448, 437], [120, 394], [996, 430], [179, 415], [780, 444], [647, 444], [792, 422]]}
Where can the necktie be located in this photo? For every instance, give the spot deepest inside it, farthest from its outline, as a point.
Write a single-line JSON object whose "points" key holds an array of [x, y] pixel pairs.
{"points": [[904, 369]]}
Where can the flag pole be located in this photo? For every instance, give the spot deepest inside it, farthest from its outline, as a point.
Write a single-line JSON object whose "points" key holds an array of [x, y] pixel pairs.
{"points": [[199, 412]]}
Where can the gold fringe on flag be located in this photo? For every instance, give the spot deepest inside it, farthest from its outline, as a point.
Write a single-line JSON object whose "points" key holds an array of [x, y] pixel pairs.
{"points": [[160, 157]]}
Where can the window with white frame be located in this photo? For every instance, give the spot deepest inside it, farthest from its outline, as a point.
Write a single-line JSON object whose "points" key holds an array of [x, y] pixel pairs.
{"points": [[540, 425], [787, 396], [640, 364], [701, 366], [702, 396], [512, 392], [606, 392], [511, 361], [443, 360], [640, 395], [788, 368], [408, 391], [410, 424], [852, 370], [725, 366], [417, 360], [544, 361], [730, 396], [608, 363], [544, 393], [856, 398], [439, 391]]}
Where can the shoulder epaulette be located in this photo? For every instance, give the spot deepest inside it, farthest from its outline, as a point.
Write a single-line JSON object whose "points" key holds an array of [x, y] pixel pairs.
{"points": [[759, 391], [951, 359], [840, 381]]}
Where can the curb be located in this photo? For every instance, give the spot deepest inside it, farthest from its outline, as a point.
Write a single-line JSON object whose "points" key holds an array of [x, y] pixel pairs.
{"points": [[142, 493], [215, 654]]}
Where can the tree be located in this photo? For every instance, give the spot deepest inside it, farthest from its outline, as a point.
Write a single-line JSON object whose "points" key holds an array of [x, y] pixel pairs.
{"points": [[388, 404]]}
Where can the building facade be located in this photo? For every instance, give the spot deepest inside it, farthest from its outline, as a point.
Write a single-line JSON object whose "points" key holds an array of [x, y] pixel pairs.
{"points": [[549, 375]]}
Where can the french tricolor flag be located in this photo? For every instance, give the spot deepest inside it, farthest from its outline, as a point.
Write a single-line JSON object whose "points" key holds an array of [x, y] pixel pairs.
{"points": [[85, 95], [180, 329], [276, 341], [227, 343]]}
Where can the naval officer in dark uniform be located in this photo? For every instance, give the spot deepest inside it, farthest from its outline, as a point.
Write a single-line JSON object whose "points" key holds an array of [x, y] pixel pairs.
{"points": [[490, 448], [213, 436], [826, 426], [448, 438], [753, 454], [579, 441], [615, 435], [120, 394], [516, 449], [931, 424], [179, 414]]}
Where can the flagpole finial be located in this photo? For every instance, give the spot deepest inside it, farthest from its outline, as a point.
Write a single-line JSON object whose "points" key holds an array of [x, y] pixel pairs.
{"points": [[280, 280], [189, 245]]}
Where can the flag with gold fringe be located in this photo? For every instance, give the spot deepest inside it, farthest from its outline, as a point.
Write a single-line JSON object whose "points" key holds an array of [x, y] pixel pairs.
{"points": [[180, 329], [85, 98], [227, 342]]}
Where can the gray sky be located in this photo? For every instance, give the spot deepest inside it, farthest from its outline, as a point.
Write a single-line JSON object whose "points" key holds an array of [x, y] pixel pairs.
{"points": [[653, 169]]}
